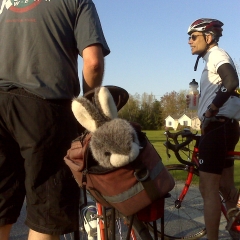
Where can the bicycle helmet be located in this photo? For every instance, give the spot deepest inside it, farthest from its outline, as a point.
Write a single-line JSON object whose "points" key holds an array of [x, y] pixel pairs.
{"points": [[206, 25]]}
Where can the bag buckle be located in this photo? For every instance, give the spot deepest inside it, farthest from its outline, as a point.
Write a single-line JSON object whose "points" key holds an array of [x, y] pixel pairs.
{"points": [[139, 175]]}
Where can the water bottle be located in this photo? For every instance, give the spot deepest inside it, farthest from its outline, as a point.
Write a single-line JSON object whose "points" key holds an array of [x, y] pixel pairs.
{"points": [[193, 95]]}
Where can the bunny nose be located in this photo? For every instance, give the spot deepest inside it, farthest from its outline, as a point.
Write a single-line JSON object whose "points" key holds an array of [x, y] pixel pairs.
{"points": [[119, 160]]}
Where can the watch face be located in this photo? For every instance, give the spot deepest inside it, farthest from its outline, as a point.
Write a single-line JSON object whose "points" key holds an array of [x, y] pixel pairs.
{"points": [[211, 110]]}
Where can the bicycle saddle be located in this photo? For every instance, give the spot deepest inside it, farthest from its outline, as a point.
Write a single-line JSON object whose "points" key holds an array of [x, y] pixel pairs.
{"points": [[120, 95]]}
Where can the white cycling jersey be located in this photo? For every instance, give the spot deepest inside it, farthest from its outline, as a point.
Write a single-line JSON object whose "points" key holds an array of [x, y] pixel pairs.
{"points": [[210, 80]]}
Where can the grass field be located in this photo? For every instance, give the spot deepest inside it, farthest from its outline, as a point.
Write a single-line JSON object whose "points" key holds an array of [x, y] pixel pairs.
{"points": [[158, 138]]}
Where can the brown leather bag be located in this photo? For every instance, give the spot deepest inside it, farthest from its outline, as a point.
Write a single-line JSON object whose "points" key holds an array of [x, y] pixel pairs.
{"points": [[129, 188]]}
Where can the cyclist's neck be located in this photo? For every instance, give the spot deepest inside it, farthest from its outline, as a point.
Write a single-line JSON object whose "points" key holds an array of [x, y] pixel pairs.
{"points": [[202, 54]]}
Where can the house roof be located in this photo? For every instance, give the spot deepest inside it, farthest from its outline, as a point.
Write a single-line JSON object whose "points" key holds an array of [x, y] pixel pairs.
{"points": [[176, 116], [184, 115], [173, 116]]}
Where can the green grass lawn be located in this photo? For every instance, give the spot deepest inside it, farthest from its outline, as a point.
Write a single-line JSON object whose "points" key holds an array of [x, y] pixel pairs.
{"points": [[157, 138]]}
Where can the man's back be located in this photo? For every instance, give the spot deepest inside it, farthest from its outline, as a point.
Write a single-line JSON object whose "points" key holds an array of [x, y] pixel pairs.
{"points": [[40, 42]]}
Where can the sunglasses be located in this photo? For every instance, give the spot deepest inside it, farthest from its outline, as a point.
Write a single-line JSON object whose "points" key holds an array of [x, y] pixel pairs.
{"points": [[193, 37]]}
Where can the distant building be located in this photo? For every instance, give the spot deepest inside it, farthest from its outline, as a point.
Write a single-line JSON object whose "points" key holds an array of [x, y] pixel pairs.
{"points": [[183, 120]]}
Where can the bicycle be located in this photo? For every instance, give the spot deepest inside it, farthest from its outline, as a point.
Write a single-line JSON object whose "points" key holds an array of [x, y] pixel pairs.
{"points": [[185, 206], [98, 222], [109, 224]]}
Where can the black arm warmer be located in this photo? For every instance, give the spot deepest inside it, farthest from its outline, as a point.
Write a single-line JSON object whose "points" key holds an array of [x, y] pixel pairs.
{"points": [[229, 83]]}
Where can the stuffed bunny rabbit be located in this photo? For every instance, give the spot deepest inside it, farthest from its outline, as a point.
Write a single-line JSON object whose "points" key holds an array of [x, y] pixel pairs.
{"points": [[114, 142]]}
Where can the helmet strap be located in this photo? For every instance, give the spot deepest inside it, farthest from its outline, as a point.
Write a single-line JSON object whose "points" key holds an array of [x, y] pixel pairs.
{"points": [[204, 52], [196, 63]]}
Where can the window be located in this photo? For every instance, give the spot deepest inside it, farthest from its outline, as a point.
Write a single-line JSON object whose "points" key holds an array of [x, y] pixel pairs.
{"points": [[169, 123], [185, 123]]}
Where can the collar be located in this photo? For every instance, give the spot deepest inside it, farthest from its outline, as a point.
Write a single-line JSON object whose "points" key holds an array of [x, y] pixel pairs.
{"points": [[209, 51]]}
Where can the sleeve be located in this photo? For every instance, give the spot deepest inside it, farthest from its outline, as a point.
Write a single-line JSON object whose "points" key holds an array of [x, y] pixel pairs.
{"points": [[219, 58], [88, 29], [230, 81]]}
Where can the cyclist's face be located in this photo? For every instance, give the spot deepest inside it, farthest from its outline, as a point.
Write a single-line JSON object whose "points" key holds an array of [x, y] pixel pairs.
{"points": [[197, 43]]}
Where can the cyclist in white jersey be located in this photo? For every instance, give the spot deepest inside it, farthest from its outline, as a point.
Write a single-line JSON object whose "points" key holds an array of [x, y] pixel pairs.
{"points": [[219, 132]]}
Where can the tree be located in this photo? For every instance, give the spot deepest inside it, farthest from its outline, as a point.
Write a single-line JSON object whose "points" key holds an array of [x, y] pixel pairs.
{"points": [[130, 111], [150, 113], [144, 109], [157, 115], [174, 103]]}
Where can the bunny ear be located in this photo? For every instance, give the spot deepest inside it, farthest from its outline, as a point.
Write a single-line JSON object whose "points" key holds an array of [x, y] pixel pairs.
{"points": [[105, 102], [86, 114]]}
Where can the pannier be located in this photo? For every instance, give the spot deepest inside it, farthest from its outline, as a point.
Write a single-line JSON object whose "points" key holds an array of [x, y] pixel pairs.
{"points": [[114, 159], [129, 188]]}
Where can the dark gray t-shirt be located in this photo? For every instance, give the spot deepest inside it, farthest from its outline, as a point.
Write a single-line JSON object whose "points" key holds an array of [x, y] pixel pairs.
{"points": [[40, 41]]}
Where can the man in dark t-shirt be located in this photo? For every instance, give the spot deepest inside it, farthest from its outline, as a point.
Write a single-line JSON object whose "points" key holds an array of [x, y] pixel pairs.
{"points": [[40, 44]]}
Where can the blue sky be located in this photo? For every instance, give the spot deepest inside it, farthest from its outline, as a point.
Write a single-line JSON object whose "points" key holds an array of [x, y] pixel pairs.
{"points": [[149, 42]]}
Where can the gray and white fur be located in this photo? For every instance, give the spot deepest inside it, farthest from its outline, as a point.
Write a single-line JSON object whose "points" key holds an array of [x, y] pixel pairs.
{"points": [[114, 142]]}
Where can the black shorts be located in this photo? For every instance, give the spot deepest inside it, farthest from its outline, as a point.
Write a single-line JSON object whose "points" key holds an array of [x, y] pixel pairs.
{"points": [[35, 135], [219, 138]]}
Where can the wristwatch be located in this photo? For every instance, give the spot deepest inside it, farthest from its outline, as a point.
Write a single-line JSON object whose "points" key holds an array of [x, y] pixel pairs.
{"points": [[211, 110]]}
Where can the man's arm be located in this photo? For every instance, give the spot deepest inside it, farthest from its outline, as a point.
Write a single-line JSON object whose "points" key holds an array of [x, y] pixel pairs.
{"points": [[229, 83], [93, 67]]}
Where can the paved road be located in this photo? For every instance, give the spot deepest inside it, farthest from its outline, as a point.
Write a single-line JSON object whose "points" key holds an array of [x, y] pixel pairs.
{"points": [[19, 230]]}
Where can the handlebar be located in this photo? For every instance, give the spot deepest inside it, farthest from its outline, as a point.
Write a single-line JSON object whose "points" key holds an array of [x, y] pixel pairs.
{"points": [[186, 133]]}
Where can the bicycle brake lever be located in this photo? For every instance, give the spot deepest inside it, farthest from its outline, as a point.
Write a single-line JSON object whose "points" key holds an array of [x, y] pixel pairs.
{"points": [[168, 154], [167, 151]]}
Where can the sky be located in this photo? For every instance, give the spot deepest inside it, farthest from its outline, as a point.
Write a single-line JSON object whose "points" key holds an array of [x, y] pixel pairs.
{"points": [[149, 42]]}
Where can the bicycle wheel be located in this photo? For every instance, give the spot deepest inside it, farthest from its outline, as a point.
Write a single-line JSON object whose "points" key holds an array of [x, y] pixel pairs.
{"points": [[183, 220], [117, 227], [139, 229]]}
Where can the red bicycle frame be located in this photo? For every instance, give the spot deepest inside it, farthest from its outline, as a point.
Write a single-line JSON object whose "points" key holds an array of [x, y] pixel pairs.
{"points": [[194, 159]]}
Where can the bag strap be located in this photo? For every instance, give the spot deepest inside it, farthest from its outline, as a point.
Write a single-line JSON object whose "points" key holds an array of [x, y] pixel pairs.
{"points": [[84, 140], [142, 175], [84, 184]]}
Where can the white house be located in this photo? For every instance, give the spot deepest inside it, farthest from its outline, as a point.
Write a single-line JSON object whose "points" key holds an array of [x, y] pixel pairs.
{"points": [[183, 120]]}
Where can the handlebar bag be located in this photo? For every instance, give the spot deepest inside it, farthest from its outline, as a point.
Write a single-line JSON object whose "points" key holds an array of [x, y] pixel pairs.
{"points": [[129, 188]]}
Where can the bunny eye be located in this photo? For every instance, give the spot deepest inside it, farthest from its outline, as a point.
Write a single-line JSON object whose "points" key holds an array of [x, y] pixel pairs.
{"points": [[107, 154]]}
